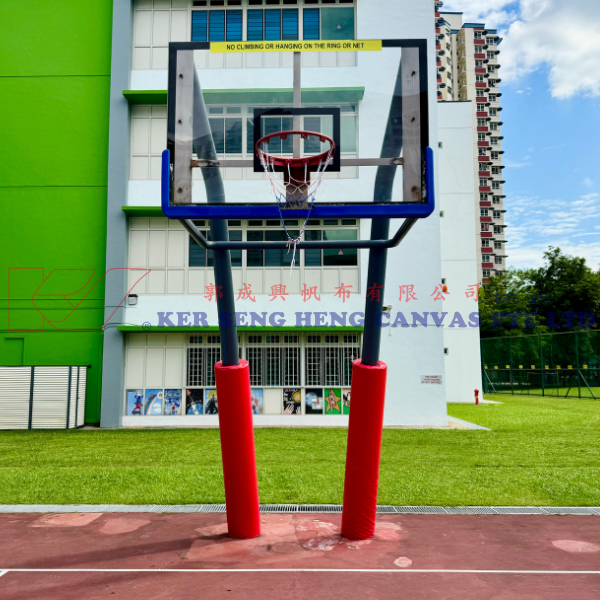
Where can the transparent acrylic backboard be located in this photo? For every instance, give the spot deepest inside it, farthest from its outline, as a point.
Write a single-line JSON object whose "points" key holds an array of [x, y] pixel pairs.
{"points": [[370, 98]]}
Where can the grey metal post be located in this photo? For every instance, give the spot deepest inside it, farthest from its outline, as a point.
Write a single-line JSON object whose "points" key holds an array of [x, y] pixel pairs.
{"points": [[297, 100], [204, 146], [402, 130]]}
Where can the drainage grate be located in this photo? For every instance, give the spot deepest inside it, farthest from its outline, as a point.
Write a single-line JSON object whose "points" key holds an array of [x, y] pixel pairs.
{"points": [[421, 510], [212, 508], [519, 510], [320, 508], [470, 510], [278, 508], [386, 509], [570, 510]]}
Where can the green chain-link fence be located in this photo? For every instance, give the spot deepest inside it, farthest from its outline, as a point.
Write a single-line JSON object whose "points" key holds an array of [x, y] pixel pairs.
{"points": [[565, 365]]}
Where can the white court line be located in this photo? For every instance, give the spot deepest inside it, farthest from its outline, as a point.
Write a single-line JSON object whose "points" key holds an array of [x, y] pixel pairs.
{"points": [[3, 573], [459, 571]]}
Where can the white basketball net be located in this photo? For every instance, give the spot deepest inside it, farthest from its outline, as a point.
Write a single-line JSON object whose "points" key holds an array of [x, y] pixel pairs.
{"points": [[295, 193]]}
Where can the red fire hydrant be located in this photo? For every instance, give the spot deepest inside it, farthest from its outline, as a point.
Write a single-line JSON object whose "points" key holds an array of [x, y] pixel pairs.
{"points": [[476, 396]]}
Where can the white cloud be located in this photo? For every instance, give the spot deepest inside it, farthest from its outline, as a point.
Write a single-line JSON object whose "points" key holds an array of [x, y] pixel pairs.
{"points": [[587, 182], [553, 222], [561, 36], [533, 256]]}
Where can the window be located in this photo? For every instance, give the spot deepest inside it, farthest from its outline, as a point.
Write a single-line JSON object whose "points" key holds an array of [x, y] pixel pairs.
{"points": [[497, 245], [481, 137], [199, 257], [477, 35], [497, 229], [497, 214], [483, 182], [490, 40], [496, 171], [481, 123], [480, 107], [217, 25], [486, 272], [482, 151], [328, 23], [227, 133], [494, 126], [491, 69], [311, 23], [478, 64], [492, 98], [485, 243], [479, 78], [498, 260], [485, 258], [485, 227], [495, 185], [483, 212], [448, 62], [273, 24], [450, 91], [493, 112], [483, 197], [479, 93], [491, 55], [496, 200], [494, 141], [495, 156]]}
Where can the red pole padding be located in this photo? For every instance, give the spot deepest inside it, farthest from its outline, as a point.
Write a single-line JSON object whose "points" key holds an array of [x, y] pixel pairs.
{"points": [[364, 450], [237, 449]]}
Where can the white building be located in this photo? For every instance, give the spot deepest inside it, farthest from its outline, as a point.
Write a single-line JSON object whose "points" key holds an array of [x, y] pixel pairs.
{"points": [[468, 69], [146, 364]]}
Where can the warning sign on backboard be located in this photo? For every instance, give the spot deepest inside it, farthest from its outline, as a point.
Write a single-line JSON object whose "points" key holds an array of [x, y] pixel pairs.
{"points": [[431, 379], [299, 46]]}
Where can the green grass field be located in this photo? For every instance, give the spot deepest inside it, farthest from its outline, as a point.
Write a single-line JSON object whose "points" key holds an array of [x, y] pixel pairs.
{"points": [[540, 451]]}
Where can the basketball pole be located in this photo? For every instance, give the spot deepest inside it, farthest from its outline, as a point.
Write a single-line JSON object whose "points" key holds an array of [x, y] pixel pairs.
{"points": [[232, 375], [365, 425]]}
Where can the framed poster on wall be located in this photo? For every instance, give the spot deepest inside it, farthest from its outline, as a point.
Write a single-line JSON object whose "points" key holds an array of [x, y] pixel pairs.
{"points": [[194, 402], [172, 402], [313, 401], [333, 401], [292, 401]]}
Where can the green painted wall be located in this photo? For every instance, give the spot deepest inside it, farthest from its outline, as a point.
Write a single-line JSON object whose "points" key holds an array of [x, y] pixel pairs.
{"points": [[54, 107]]}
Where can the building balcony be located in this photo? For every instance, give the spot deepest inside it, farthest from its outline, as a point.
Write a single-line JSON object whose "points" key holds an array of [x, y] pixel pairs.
{"points": [[479, 55], [485, 219], [487, 265], [486, 234], [484, 174], [483, 160], [481, 114], [481, 129], [485, 188], [481, 85], [480, 70], [483, 144], [485, 204]]}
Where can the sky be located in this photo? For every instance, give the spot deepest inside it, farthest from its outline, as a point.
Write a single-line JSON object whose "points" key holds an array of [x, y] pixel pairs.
{"points": [[550, 57]]}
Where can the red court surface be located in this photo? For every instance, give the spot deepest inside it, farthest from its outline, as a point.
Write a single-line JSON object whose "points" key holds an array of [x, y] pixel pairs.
{"points": [[151, 556]]}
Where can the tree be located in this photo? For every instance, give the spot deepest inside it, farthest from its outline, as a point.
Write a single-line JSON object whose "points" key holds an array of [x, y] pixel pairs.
{"points": [[564, 285]]}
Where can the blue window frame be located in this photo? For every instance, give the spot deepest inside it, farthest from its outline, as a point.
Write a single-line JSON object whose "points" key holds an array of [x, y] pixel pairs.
{"points": [[255, 26], [289, 20], [311, 23], [216, 26], [199, 26], [272, 25], [234, 25]]}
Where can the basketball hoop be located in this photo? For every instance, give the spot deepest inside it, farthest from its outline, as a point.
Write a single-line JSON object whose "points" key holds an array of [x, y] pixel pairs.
{"points": [[297, 189]]}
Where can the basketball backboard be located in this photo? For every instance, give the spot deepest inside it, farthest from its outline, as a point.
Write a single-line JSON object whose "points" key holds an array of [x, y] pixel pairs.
{"points": [[369, 97]]}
